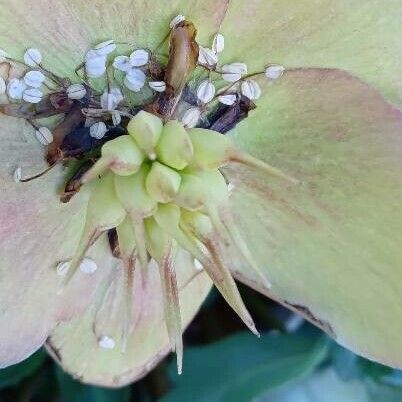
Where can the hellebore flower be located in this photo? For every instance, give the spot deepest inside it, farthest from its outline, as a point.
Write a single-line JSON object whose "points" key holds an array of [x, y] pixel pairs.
{"points": [[153, 208]]}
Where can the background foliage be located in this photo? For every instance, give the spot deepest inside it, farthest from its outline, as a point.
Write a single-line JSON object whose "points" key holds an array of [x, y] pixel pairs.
{"points": [[291, 362]]}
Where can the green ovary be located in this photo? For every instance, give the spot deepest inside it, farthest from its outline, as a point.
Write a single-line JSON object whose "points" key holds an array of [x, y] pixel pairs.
{"points": [[147, 172]]}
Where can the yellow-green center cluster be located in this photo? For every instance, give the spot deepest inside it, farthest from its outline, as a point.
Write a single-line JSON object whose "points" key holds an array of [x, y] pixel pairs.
{"points": [[159, 183], [159, 175], [161, 188]]}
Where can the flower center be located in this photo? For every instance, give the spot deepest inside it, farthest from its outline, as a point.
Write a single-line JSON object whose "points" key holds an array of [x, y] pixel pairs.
{"points": [[152, 162]]}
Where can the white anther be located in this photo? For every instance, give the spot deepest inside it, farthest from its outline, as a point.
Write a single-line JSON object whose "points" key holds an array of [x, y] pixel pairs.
{"points": [[17, 175], [95, 64], [250, 89], [197, 265], [107, 101], [158, 86], [218, 43], [3, 86], [207, 57], [231, 187], [33, 57], [32, 95], [15, 88], [62, 268], [44, 136], [206, 91], [116, 118], [88, 266], [234, 71], [98, 130], [3, 56], [116, 92], [34, 78], [228, 99], [122, 63], [76, 91], [274, 71], [134, 80], [110, 100], [191, 117], [176, 20], [139, 58], [106, 342], [105, 48], [231, 77]]}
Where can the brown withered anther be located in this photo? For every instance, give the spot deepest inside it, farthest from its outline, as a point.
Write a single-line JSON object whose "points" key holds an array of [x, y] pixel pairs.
{"points": [[227, 117], [183, 56], [54, 104]]}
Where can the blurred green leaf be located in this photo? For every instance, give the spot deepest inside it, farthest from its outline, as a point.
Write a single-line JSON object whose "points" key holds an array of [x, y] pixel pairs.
{"points": [[74, 391], [327, 386], [14, 374], [381, 383], [346, 363], [324, 386], [379, 392], [375, 371], [241, 367]]}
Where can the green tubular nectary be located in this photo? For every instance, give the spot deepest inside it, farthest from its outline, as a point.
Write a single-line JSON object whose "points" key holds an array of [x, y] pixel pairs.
{"points": [[161, 188]]}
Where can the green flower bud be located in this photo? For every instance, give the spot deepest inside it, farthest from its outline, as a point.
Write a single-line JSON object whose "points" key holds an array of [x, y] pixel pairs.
{"points": [[146, 129], [174, 147], [162, 182], [120, 155]]}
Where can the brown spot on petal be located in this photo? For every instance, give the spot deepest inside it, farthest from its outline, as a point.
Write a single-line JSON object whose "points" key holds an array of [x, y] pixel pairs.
{"points": [[297, 308], [307, 313]]}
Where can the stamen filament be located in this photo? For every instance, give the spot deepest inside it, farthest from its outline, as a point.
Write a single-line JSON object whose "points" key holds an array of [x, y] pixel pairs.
{"points": [[39, 174]]}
